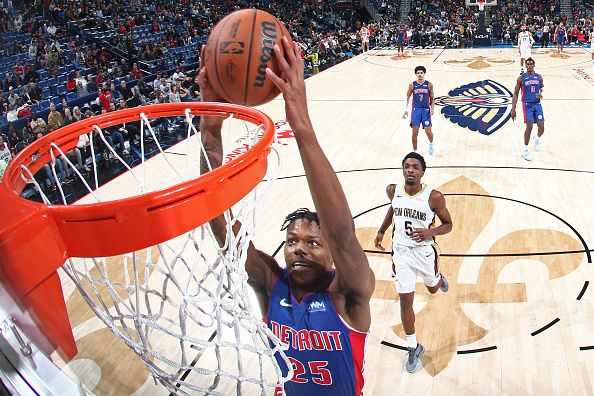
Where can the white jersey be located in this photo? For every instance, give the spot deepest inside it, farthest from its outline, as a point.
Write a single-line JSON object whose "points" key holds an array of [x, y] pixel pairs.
{"points": [[3, 166], [5, 153], [525, 39], [364, 34], [411, 212]]}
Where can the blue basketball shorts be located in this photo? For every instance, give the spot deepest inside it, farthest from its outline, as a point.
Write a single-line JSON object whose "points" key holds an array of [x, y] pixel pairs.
{"points": [[420, 117], [533, 112]]}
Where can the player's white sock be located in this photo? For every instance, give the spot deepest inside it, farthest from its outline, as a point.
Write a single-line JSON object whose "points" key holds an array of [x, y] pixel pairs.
{"points": [[525, 148], [412, 340]]}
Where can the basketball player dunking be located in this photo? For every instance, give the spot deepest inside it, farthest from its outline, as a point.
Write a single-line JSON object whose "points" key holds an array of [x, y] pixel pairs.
{"points": [[415, 253], [531, 84], [422, 107], [525, 42], [321, 314]]}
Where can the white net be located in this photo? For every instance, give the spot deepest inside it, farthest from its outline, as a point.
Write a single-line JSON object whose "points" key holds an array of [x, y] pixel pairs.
{"points": [[182, 306]]}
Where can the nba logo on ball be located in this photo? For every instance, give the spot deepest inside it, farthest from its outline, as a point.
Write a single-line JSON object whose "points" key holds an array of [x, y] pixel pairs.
{"points": [[232, 47], [239, 49]]}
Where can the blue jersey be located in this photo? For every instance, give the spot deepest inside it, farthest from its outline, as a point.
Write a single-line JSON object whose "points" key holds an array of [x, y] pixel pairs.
{"points": [[530, 88], [560, 33], [420, 95], [401, 35], [327, 355]]}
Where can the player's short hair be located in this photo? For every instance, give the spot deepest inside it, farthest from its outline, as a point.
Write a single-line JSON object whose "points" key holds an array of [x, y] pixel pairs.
{"points": [[530, 60], [416, 156], [420, 68], [301, 213]]}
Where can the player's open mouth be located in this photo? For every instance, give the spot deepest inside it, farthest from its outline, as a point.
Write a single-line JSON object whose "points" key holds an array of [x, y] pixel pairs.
{"points": [[301, 264]]}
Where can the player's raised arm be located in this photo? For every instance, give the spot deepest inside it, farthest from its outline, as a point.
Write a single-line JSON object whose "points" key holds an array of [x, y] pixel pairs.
{"points": [[354, 278], [260, 267]]}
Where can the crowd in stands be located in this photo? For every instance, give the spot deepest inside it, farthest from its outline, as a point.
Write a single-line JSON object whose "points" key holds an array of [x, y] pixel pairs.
{"points": [[61, 61], [508, 19], [452, 24], [429, 24]]}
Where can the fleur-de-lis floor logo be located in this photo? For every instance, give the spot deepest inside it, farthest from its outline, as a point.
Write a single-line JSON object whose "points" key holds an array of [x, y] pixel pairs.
{"points": [[479, 62], [554, 53], [441, 324]]}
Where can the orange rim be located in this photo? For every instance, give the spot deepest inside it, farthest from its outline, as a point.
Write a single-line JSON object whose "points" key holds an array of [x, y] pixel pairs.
{"points": [[35, 238]]}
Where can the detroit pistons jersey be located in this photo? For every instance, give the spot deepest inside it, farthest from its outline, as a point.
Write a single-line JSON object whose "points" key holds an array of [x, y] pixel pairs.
{"points": [[327, 355], [530, 88], [420, 95], [401, 34], [411, 212]]}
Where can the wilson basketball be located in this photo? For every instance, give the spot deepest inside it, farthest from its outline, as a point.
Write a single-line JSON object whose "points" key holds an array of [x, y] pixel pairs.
{"points": [[239, 49]]}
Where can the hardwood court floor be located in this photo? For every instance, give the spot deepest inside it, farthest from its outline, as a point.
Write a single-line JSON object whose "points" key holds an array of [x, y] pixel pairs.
{"points": [[519, 316]]}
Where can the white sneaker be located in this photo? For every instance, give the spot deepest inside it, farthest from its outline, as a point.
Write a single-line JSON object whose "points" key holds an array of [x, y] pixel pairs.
{"points": [[536, 143], [431, 149], [526, 155]]}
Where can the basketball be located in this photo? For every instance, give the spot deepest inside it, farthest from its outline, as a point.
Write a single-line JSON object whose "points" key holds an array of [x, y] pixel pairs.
{"points": [[239, 49]]}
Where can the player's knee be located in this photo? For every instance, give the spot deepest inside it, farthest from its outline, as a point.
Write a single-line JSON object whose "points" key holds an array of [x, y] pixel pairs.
{"points": [[406, 301]]}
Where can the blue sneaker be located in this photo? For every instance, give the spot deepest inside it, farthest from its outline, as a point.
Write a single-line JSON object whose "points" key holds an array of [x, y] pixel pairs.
{"points": [[431, 149]]}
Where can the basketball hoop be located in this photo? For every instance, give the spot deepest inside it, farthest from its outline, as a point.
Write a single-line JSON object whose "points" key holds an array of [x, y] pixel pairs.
{"points": [[177, 283], [481, 5]]}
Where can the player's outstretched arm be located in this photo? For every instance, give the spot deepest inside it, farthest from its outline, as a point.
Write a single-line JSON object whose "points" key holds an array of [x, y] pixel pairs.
{"points": [[260, 267], [354, 278]]}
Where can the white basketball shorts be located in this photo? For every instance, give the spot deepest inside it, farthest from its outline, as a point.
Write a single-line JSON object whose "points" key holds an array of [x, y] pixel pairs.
{"points": [[525, 52], [408, 263]]}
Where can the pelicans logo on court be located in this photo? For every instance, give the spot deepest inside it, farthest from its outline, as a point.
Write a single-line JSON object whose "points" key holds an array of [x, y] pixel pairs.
{"points": [[482, 106]]}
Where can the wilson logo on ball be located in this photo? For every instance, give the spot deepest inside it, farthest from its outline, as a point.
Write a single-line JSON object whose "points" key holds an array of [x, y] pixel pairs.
{"points": [[232, 47], [269, 32]]}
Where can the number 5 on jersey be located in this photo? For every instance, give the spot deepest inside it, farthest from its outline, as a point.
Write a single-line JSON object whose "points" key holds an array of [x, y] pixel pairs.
{"points": [[408, 228]]}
